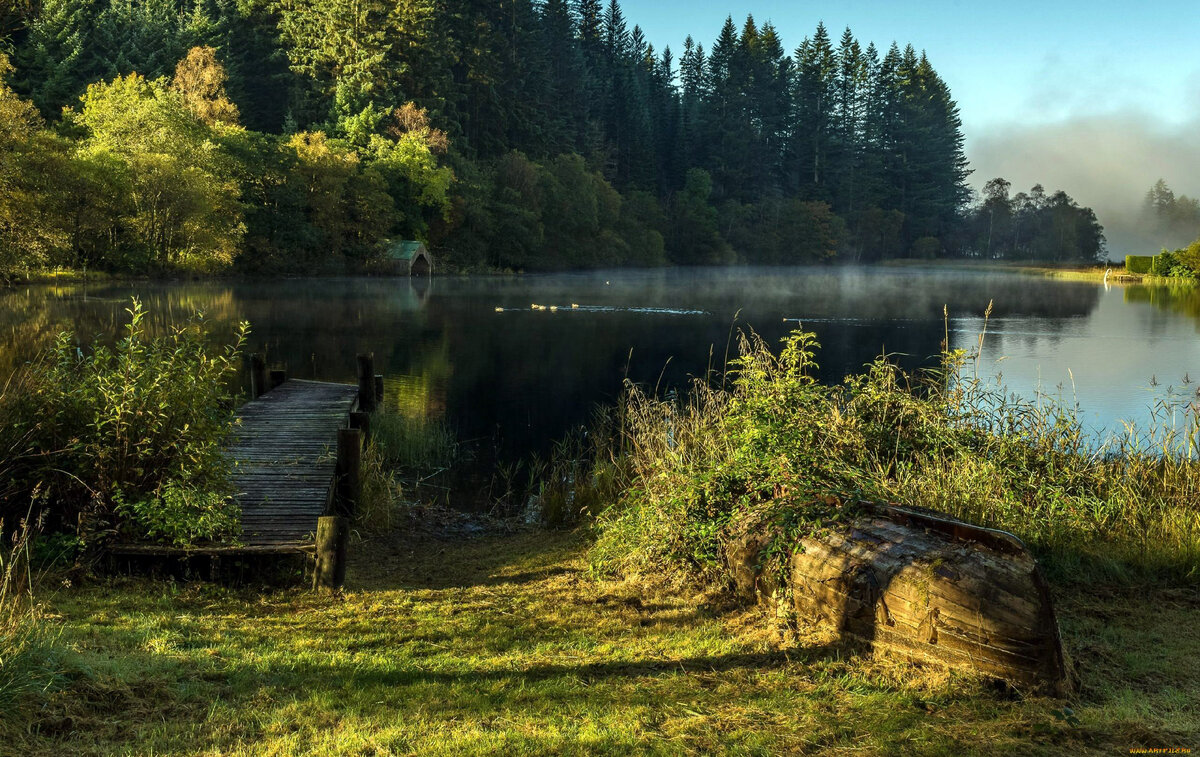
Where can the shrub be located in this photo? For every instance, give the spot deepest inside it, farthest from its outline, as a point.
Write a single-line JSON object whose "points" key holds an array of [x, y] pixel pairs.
{"points": [[1189, 257], [775, 438], [927, 248], [179, 513], [125, 438], [1162, 263]]}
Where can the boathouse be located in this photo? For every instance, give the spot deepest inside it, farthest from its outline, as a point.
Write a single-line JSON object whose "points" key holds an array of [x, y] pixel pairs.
{"points": [[408, 257]]}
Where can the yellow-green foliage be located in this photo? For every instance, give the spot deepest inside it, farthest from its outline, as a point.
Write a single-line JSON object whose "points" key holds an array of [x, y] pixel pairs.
{"points": [[942, 440], [30, 158], [181, 202], [124, 436]]}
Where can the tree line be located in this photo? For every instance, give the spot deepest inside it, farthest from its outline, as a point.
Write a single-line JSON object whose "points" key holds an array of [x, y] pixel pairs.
{"points": [[525, 134]]}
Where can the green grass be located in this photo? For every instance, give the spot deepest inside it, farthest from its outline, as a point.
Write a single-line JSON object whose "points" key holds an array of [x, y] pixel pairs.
{"points": [[508, 645]]}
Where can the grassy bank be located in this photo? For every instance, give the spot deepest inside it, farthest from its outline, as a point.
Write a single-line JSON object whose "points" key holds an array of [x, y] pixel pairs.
{"points": [[506, 644], [1067, 272]]}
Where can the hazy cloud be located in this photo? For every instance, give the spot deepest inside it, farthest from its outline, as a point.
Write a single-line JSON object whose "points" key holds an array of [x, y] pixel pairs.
{"points": [[1103, 160]]}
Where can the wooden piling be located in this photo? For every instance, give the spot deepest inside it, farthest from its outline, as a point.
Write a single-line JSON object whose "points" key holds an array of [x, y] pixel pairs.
{"points": [[332, 535], [258, 376], [349, 458], [366, 382], [362, 422], [277, 378]]}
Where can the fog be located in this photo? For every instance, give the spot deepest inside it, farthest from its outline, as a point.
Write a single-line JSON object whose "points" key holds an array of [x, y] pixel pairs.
{"points": [[1105, 161]]}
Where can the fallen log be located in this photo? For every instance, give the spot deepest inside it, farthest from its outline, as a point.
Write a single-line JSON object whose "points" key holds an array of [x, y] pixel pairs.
{"points": [[913, 584]]}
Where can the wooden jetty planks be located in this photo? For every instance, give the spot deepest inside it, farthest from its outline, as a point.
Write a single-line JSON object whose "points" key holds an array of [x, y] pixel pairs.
{"points": [[284, 449]]}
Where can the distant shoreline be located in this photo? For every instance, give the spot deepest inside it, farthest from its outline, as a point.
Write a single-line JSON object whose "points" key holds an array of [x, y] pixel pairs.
{"points": [[1069, 272]]}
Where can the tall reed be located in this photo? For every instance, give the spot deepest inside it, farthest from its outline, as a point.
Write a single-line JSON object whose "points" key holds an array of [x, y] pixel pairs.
{"points": [[27, 649]]}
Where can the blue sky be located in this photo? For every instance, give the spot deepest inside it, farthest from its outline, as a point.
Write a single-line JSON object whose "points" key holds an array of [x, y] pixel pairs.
{"points": [[1006, 62]]}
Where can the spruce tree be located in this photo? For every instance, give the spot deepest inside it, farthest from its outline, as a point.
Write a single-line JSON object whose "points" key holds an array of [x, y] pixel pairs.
{"points": [[52, 58]]}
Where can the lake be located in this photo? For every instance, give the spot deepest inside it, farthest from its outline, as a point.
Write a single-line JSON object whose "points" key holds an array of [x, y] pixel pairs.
{"points": [[472, 350]]}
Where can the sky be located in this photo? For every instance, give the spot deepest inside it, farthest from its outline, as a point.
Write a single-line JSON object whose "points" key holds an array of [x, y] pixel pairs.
{"points": [[1097, 98]]}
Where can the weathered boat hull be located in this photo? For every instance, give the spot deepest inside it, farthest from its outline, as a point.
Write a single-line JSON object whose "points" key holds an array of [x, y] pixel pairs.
{"points": [[921, 586]]}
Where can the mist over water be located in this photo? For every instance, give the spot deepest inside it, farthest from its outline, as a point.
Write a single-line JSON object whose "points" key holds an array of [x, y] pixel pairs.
{"points": [[1103, 160], [518, 379]]}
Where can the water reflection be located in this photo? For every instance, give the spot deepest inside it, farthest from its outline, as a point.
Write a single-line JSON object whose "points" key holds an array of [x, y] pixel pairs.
{"points": [[524, 375]]}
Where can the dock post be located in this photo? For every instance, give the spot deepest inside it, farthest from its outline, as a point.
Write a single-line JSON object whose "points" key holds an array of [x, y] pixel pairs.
{"points": [[362, 422], [258, 376], [349, 457], [378, 390], [277, 378], [332, 534], [366, 382]]}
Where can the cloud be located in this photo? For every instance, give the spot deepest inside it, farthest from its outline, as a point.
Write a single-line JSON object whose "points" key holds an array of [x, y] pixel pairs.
{"points": [[1104, 160]]}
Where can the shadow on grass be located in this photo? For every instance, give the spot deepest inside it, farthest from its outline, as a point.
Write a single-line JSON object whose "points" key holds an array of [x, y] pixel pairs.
{"points": [[414, 561]]}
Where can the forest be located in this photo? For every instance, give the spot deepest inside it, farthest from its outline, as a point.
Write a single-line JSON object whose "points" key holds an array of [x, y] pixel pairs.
{"points": [[299, 135]]}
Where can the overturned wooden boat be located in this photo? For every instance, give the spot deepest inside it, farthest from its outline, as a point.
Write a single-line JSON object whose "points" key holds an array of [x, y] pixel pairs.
{"points": [[915, 584]]}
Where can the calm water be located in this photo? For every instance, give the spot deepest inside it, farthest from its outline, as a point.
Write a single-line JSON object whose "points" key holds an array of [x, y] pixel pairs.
{"points": [[522, 377]]}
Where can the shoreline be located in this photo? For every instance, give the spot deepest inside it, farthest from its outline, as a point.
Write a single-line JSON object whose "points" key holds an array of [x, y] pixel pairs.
{"points": [[1070, 272]]}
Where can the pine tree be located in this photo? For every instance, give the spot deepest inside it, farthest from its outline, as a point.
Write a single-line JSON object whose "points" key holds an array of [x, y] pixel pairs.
{"points": [[813, 98], [846, 152], [246, 39], [616, 34], [591, 21], [52, 58]]}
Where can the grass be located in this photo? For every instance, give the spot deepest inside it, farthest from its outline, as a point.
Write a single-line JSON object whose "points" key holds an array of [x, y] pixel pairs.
{"points": [[1079, 271], [414, 444], [506, 644], [28, 649], [773, 436]]}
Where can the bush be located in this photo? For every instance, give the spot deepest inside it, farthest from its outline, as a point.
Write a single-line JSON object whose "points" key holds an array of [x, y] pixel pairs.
{"points": [[776, 439], [180, 514], [927, 248], [124, 438], [1163, 263], [1189, 257]]}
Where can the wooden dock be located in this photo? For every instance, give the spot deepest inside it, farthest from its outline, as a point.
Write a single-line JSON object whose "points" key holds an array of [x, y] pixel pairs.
{"points": [[284, 454], [294, 456]]}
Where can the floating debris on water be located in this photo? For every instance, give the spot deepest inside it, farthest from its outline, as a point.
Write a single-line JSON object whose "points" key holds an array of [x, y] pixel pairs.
{"points": [[576, 307]]}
